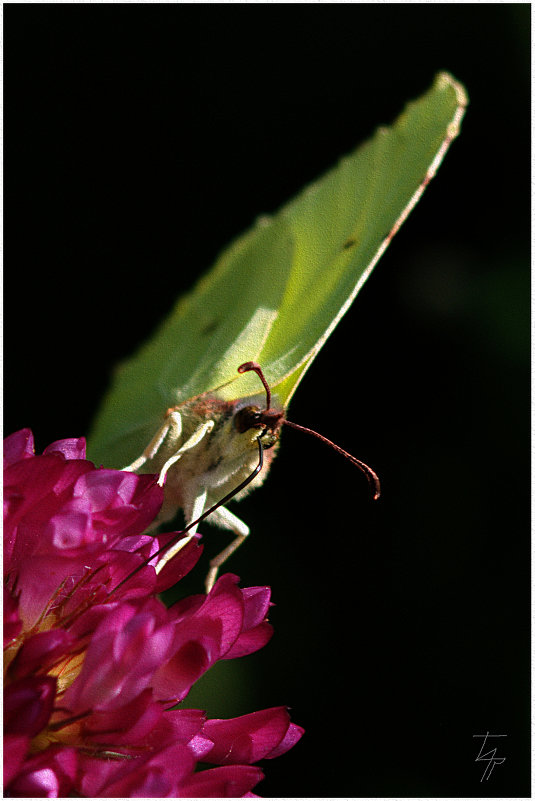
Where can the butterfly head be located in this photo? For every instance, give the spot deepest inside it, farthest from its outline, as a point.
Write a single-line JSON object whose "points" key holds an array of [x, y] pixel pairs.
{"points": [[250, 417], [267, 421]]}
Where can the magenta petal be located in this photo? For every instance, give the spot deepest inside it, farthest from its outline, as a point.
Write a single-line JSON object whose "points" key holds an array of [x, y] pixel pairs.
{"points": [[129, 644], [247, 738], [293, 735], [41, 651], [15, 749], [28, 705], [73, 448], [157, 774], [73, 539], [49, 774], [34, 491], [12, 621], [174, 679], [200, 747], [138, 585], [180, 565], [18, 446], [205, 629], [129, 724], [185, 723], [71, 528], [146, 783], [257, 603], [106, 489], [39, 578], [250, 641], [231, 781], [225, 604]]}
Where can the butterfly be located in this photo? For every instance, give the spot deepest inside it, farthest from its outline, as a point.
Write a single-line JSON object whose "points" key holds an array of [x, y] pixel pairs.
{"points": [[180, 408]]}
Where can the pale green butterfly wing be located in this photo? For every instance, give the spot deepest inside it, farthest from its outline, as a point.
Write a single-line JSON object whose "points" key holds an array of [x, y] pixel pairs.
{"points": [[223, 322], [276, 294], [343, 223]]}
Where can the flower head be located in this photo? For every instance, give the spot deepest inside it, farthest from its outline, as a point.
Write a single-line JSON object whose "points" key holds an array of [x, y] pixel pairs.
{"points": [[96, 666]]}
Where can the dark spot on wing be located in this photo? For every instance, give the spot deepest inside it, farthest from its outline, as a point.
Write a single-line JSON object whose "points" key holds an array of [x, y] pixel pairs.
{"points": [[209, 328], [349, 244]]}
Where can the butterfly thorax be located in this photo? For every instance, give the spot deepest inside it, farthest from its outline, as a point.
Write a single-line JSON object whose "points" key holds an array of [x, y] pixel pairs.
{"points": [[223, 457]]}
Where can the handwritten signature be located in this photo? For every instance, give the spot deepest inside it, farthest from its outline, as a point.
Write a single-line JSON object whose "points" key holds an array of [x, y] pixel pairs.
{"points": [[489, 756]]}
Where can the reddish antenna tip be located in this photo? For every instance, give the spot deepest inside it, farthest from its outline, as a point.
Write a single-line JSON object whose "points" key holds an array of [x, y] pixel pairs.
{"points": [[371, 475], [248, 366]]}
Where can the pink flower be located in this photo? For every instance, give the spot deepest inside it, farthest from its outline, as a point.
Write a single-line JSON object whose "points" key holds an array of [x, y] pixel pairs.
{"points": [[96, 666]]}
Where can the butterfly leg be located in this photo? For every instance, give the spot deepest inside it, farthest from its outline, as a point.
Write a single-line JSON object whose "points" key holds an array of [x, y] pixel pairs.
{"points": [[172, 420], [199, 500], [198, 508], [195, 438], [227, 519]]}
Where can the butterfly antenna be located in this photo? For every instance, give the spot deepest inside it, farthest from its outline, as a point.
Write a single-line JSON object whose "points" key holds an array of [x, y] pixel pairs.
{"points": [[196, 522], [370, 474], [248, 366]]}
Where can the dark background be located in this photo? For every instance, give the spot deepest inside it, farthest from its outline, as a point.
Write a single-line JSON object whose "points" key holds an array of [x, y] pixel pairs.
{"points": [[139, 140]]}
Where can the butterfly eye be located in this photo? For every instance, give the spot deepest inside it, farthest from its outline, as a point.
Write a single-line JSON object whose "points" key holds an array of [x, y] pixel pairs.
{"points": [[253, 417], [246, 418]]}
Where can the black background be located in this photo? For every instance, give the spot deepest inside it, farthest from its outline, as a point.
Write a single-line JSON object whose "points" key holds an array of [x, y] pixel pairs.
{"points": [[139, 140]]}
